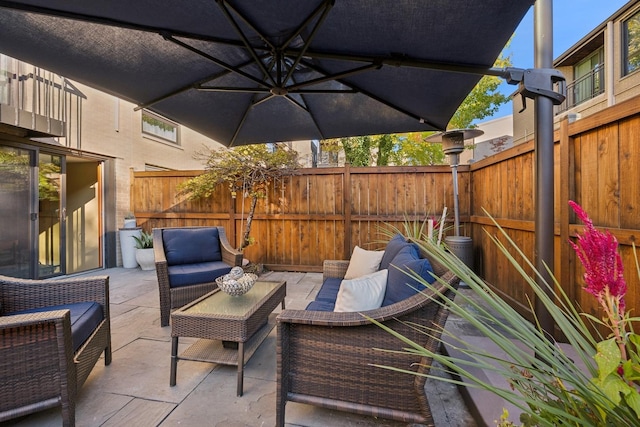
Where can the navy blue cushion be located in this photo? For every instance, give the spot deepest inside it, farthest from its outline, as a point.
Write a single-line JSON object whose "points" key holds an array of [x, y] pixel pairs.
{"points": [[400, 285], [321, 306], [192, 274], [391, 250], [85, 318], [329, 290], [191, 245], [326, 297]]}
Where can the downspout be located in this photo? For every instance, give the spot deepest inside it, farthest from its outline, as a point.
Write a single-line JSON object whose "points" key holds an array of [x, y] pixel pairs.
{"points": [[609, 65]]}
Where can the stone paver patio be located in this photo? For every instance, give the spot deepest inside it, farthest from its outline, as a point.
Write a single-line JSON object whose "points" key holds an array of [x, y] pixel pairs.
{"points": [[134, 390]]}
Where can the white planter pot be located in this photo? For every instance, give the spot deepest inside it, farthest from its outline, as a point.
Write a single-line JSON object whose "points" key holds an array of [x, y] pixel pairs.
{"points": [[128, 246], [129, 223], [145, 259]]}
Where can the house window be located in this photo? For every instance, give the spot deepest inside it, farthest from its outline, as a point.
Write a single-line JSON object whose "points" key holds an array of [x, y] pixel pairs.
{"points": [[160, 127], [631, 44], [588, 77]]}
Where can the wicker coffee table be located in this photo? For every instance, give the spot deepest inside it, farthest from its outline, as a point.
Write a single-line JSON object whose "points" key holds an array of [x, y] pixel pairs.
{"points": [[231, 328]]}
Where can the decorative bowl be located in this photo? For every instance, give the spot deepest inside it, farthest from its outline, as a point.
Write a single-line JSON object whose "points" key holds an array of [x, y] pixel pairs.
{"points": [[236, 287]]}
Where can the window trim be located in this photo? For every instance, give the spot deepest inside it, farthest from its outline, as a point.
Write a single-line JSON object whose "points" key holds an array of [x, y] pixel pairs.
{"points": [[625, 45], [163, 121]]}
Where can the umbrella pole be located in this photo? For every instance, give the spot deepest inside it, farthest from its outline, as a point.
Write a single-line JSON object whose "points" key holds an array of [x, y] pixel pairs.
{"points": [[544, 223]]}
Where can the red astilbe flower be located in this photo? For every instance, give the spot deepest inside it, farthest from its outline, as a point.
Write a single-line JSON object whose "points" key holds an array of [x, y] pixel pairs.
{"points": [[602, 263]]}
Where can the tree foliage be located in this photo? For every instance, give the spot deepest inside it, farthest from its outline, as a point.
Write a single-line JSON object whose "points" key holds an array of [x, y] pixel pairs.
{"points": [[483, 101], [247, 170], [411, 149]]}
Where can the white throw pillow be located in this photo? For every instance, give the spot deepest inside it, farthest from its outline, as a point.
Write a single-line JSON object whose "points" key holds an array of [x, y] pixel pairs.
{"points": [[362, 294], [363, 262]]}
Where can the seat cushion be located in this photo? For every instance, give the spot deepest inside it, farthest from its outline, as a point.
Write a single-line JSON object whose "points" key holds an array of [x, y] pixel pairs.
{"points": [[320, 306], [191, 245], [401, 285], [391, 250], [326, 297], [85, 318], [193, 274], [329, 290]]}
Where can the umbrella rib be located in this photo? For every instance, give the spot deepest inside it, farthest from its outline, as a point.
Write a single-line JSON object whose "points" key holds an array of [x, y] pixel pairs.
{"points": [[246, 113], [231, 89], [373, 96], [244, 118], [215, 60], [321, 91], [402, 61], [194, 85], [224, 6], [325, 8], [114, 23], [391, 60], [313, 118], [260, 101], [334, 76], [297, 104]]}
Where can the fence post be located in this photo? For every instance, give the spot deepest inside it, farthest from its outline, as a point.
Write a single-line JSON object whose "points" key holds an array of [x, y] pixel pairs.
{"points": [[347, 210], [566, 192]]}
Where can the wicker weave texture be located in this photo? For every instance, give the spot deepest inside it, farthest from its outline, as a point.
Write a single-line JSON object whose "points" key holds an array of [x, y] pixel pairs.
{"points": [[227, 328], [38, 366], [326, 358]]}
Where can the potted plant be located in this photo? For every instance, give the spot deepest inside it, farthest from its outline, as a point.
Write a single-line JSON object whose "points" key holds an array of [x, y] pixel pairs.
{"points": [[144, 251]]}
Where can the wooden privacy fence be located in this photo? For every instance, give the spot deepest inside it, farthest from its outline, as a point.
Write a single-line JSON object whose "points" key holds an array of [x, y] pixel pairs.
{"points": [[597, 160], [317, 214], [323, 213]]}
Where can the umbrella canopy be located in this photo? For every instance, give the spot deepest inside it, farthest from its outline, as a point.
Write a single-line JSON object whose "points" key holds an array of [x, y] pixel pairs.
{"points": [[253, 71]]}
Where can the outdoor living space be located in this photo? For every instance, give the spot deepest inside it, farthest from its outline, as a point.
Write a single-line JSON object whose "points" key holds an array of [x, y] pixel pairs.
{"points": [[134, 389]]}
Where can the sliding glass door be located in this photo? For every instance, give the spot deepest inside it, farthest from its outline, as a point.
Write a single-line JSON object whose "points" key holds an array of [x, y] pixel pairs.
{"points": [[16, 199], [50, 213]]}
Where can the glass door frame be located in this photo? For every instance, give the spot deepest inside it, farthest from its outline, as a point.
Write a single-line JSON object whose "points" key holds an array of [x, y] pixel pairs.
{"points": [[55, 242]]}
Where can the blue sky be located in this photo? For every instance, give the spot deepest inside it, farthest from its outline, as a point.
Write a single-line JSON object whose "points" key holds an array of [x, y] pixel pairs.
{"points": [[572, 20]]}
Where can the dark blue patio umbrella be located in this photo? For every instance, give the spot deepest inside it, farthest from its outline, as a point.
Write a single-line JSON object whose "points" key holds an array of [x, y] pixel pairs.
{"points": [[245, 72], [252, 71]]}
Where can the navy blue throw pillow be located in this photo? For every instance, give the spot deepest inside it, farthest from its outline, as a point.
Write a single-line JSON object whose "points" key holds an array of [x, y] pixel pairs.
{"points": [[391, 250], [401, 285]]}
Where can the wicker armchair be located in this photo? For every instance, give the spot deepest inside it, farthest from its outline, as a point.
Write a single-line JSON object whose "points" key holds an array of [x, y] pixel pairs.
{"points": [[325, 358], [38, 366], [174, 297]]}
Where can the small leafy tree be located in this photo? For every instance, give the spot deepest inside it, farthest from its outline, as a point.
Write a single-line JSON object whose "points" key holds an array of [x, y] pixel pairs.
{"points": [[358, 149], [247, 170], [413, 150]]}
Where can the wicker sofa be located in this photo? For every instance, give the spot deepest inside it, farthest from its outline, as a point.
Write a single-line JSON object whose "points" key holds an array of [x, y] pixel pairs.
{"points": [[326, 358], [52, 333], [188, 260]]}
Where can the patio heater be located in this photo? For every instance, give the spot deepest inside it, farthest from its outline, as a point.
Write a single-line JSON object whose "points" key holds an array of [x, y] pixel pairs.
{"points": [[453, 144]]}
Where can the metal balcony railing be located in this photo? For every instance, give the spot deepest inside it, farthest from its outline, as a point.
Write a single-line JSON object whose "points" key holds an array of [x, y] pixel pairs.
{"points": [[39, 101], [583, 89]]}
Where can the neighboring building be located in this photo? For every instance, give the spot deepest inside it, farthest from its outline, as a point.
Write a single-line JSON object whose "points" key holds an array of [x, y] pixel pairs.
{"points": [[66, 156], [497, 137], [601, 70]]}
